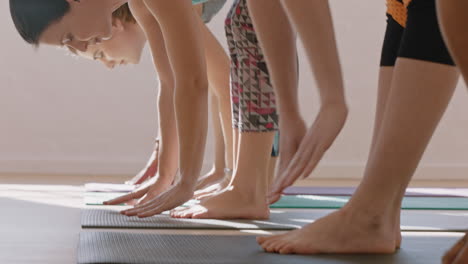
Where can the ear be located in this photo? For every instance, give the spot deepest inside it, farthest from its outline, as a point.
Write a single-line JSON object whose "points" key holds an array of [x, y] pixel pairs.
{"points": [[117, 24]]}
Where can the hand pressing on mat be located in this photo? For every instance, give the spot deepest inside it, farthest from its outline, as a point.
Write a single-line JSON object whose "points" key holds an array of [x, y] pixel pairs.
{"points": [[317, 141], [150, 170], [458, 254], [176, 196]]}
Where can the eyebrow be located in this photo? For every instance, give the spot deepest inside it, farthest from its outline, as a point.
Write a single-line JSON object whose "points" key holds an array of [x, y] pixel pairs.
{"points": [[64, 38]]}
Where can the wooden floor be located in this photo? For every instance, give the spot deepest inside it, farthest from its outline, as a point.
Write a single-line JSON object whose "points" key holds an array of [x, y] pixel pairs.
{"points": [[40, 215]]}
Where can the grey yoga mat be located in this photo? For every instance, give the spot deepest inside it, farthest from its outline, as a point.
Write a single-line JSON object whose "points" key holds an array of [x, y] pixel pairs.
{"points": [[348, 191], [419, 220], [109, 247]]}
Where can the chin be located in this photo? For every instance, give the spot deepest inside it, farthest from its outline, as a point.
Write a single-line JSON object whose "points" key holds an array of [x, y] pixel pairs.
{"points": [[135, 59]]}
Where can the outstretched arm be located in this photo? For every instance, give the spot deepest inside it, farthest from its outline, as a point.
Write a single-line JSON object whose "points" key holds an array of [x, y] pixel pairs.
{"points": [[275, 21], [185, 50], [313, 22], [168, 141]]}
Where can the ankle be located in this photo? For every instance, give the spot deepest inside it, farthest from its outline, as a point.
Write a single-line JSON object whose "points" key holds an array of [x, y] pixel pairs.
{"points": [[249, 194], [373, 220]]}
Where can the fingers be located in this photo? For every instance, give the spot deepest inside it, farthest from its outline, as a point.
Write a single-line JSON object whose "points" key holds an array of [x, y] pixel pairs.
{"points": [[317, 156], [295, 168], [141, 207], [146, 199], [142, 178], [157, 210], [274, 198], [127, 198], [452, 254]]}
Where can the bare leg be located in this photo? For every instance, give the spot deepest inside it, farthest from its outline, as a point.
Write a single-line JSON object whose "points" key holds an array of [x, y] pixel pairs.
{"points": [[419, 95], [385, 83], [218, 75], [246, 195], [217, 172], [453, 21], [254, 111]]}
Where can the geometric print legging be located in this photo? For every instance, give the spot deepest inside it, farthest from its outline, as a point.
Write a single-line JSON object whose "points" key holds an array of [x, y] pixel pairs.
{"points": [[252, 94]]}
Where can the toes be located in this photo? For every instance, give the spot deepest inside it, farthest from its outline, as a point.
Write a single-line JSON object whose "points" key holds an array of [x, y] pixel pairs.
{"points": [[267, 246], [189, 213], [177, 213], [276, 245], [202, 213], [261, 240], [286, 249]]}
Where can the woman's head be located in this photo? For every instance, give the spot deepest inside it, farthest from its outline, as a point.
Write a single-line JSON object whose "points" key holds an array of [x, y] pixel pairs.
{"points": [[74, 23], [126, 44]]}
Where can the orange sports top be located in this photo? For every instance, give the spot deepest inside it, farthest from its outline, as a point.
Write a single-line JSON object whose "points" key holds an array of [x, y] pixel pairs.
{"points": [[398, 10]]}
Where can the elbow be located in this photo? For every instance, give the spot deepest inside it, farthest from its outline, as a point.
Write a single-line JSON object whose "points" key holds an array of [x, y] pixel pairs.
{"points": [[192, 85]]}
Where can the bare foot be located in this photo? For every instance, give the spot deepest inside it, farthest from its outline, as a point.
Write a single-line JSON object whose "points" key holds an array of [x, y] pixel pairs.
{"points": [[229, 204], [149, 171], [339, 232]]}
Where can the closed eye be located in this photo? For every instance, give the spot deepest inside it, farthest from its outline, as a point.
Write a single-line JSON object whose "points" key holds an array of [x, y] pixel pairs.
{"points": [[67, 39]]}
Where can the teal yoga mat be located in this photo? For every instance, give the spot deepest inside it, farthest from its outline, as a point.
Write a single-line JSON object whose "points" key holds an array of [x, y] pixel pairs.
{"points": [[326, 202], [335, 202]]}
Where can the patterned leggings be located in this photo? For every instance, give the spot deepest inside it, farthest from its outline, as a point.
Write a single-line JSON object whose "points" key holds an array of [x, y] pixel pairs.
{"points": [[253, 97]]}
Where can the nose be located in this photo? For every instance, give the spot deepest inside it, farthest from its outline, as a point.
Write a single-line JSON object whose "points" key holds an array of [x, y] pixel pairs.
{"points": [[79, 45]]}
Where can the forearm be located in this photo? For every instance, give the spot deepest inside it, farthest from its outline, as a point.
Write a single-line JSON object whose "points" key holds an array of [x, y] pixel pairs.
{"points": [[313, 22], [191, 114]]}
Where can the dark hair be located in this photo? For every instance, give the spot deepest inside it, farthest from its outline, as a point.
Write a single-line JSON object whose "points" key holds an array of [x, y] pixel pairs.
{"points": [[33, 17]]}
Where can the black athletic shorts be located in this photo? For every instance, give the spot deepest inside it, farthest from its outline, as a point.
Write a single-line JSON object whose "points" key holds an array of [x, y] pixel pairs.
{"points": [[419, 38]]}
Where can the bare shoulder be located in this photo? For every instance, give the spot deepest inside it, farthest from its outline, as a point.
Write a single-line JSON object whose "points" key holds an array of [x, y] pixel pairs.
{"points": [[141, 12]]}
